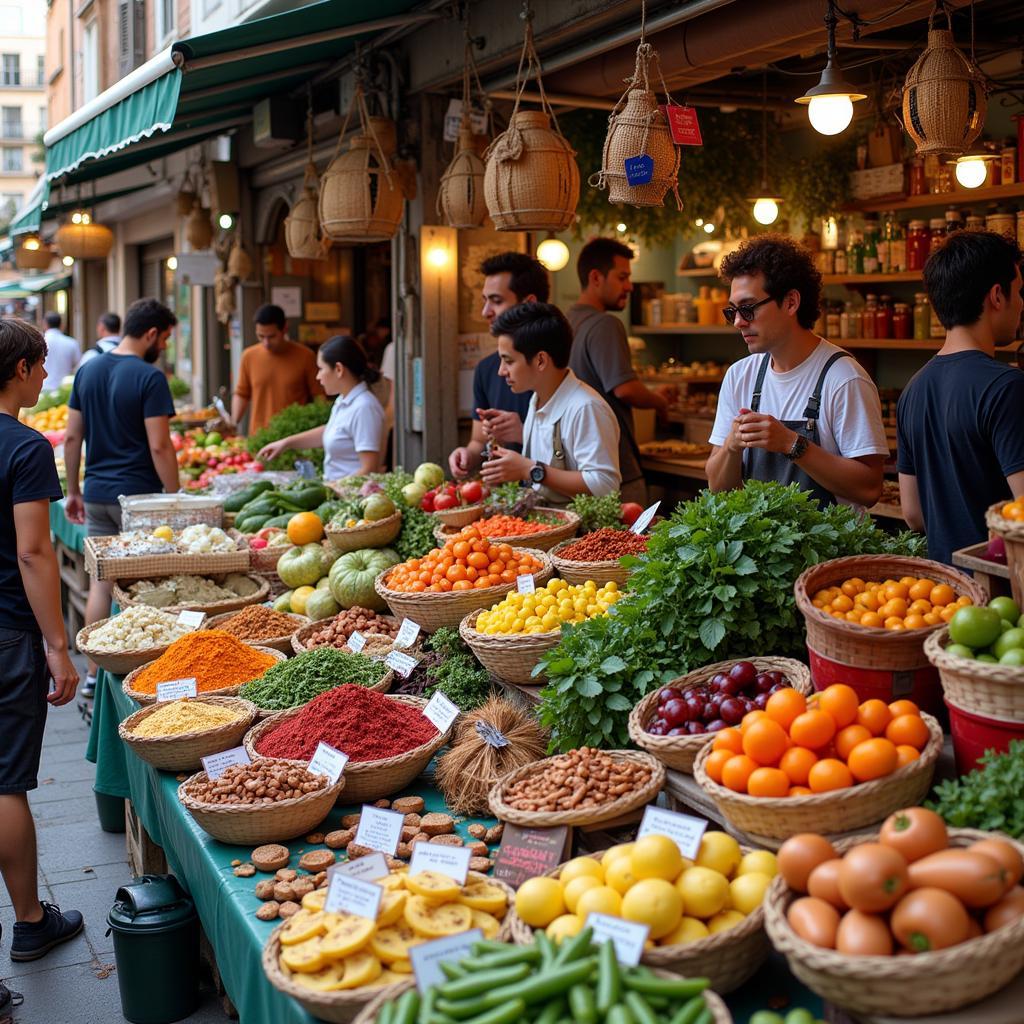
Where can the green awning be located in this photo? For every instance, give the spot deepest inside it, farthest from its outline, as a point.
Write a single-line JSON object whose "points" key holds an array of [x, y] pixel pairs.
{"points": [[13, 290], [46, 283], [30, 216]]}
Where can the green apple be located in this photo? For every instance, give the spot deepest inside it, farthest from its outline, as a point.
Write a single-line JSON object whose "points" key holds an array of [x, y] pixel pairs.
{"points": [[1011, 639], [1005, 626], [960, 651], [1015, 656], [988, 659], [973, 626], [1007, 608]]}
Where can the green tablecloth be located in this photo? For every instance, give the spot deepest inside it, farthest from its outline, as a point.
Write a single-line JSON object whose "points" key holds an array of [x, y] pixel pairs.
{"points": [[68, 533]]}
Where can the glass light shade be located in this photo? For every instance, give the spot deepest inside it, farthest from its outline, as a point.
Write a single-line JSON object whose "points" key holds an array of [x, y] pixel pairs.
{"points": [[766, 210], [553, 253], [172, 262], [68, 261], [225, 221], [830, 115], [437, 256], [971, 172]]}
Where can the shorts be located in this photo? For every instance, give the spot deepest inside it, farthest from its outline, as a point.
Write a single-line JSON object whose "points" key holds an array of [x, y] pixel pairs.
{"points": [[24, 683], [102, 520]]}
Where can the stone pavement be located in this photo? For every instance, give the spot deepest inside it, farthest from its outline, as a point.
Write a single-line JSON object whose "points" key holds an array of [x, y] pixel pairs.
{"points": [[80, 867]]}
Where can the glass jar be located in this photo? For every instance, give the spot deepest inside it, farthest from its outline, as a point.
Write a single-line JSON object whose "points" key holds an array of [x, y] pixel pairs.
{"points": [[844, 322], [918, 243], [974, 222], [870, 310], [918, 183], [922, 317], [839, 261], [856, 322], [1009, 164], [898, 249], [937, 226], [832, 322], [883, 317], [953, 220], [902, 321], [1020, 227], [1002, 221]]}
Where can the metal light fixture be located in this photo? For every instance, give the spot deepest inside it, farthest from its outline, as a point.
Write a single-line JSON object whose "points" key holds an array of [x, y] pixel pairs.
{"points": [[972, 168], [226, 221], [766, 205], [553, 254], [830, 102]]}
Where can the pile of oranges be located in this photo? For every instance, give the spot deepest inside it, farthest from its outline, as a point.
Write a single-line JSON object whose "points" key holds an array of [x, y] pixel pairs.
{"points": [[509, 526], [1014, 510], [799, 746], [908, 603], [467, 561]]}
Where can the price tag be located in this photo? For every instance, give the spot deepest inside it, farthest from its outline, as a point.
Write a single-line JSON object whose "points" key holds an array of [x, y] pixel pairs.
{"points": [[191, 620], [401, 663], [356, 641], [525, 584], [441, 711], [407, 633], [528, 852], [368, 868], [351, 895], [627, 937], [216, 764], [683, 829], [452, 861], [682, 123], [644, 519], [175, 689], [328, 761], [380, 829], [428, 956], [639, 169]]}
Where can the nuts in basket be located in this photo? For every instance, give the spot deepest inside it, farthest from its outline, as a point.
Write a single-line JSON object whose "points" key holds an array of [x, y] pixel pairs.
{"points": [[265, 781]]}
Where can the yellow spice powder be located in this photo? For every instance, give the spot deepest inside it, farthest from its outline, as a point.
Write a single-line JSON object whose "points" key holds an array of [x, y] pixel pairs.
{"points": [[183, 716]]}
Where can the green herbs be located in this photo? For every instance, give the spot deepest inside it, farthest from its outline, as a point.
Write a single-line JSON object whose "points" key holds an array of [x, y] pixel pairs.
{"points": [[179, 388], [417, 535], [458, 676], [716, 584], [297, 681], [293, 420], [597, 513], [988, 798]]}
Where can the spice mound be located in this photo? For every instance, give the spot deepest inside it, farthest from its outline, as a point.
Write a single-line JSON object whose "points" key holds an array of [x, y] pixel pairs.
{"points": [[214, 659], [178, 590], [365, 724], [297, 681], [510, 526], [180, 716], [604, 545], [259, 623], [265, 781], [577, 780], [135, 629], [355, 619]]}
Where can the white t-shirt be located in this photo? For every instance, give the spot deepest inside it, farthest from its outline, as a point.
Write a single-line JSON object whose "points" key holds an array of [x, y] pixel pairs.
{"points": [[63, 355], [850, 420], [356, 425]]}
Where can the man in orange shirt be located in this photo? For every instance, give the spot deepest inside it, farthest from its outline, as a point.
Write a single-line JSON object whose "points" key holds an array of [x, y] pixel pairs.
{"points": [[274, 373]]}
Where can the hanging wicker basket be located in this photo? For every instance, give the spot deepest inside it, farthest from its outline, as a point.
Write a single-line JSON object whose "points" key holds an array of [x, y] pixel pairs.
{"points": [[86, 241], [240, 264], [199, 228], [944, 97], [185, 200], [386, 132], [33, 259], [460, 198], [302, 225]]}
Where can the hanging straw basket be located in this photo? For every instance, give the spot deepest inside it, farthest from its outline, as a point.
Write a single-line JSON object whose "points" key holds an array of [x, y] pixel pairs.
{"points": [[944, 100], [239, 261], [90, 241], [1012, 532], [386, 133], [460, 197], [302, 225], [199, 228], [39, 258]]}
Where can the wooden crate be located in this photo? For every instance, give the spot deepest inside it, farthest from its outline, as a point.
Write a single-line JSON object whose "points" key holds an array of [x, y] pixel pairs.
{"points": [[72, 568], [144, 856], [995, 578]]}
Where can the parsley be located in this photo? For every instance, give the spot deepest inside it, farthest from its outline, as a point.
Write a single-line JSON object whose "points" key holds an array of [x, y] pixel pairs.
{"points": [[458, 676], [596, 513], [988, 798]]}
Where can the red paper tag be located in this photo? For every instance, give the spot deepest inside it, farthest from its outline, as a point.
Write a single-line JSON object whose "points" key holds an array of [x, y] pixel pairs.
{"points": [[682, 122]]}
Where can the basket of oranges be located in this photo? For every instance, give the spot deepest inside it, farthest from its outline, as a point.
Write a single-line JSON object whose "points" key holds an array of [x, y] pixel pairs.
{"points": [[1005, 519], [830, 763]]}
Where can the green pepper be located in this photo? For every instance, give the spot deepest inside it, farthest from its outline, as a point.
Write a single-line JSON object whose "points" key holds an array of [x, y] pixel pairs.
{"points": [[689, 1012], [582, 1005], [609, 978], [639, 1008], [476, 983]]}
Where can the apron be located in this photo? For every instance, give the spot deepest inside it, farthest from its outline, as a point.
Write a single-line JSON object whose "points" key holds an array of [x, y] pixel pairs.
{"points": [[759, 464], [548, 497]]}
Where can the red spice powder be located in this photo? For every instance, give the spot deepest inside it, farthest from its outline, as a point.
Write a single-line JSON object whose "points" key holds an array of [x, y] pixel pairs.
{"points": [[362, 723]]}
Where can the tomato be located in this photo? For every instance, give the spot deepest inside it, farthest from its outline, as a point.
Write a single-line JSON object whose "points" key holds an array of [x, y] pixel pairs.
{"points": [[873, 877], [472, 492], [1007, 855], [443, 501], [928, 919], [631, 512], [800, 855], [814, 920], [1006, 911], [427, 503], [862, 934], [823, 882], [915, 832], [976, 879]]}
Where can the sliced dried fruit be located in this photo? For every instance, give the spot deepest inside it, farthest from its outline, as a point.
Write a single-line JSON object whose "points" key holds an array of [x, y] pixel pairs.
{"points": [[485, 896], [328, 979], [361, 969], [435, 922], [487, 923], [391, 906], [314, 901], [347, 937], [308, 923], [434, 886], [394, 943], [305, 957]]}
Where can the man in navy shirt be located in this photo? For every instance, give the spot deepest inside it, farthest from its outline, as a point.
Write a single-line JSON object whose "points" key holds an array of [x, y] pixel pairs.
{"points": [[960, 440], [121, 406], [30, 612], [498, 412]]}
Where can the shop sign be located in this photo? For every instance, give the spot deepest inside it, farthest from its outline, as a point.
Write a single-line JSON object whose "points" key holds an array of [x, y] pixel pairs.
{"points": [[527, 852]]}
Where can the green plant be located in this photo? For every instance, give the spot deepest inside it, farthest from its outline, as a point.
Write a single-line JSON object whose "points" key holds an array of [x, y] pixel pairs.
{"points": [[819, 186], [596, 513], [458, 675], [179, 388], [988, 798], [293, 419]]}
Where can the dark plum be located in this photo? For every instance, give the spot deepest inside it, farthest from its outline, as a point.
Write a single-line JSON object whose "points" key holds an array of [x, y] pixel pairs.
{"points": [[761, 700], [777, 687], [675, 712], [764, 682], [669, 693], [695, 728], [714, 725], [679, 730], [732, 710], [744, 672], [656, 729]]}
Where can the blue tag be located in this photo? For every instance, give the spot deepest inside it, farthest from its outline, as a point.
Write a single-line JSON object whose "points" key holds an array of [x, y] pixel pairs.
{"points": [[305, 469], [639, 169]]}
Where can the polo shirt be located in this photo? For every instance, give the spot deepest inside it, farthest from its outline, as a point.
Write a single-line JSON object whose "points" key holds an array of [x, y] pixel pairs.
{"points": [[357, 424]]}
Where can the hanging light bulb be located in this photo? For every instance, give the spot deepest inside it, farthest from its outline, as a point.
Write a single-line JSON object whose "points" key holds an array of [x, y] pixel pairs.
{"points": [[68, 261], [172, 262], [699, 222], [32, 243], [225, 220], [766, 206], [766, 210], [709, 228], [972, 169], [553, 254], [830, 103], [621, 228]]}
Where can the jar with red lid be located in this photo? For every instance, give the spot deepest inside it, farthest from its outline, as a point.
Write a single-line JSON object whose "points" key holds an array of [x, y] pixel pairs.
{"points": [[883, 317], [918, 244], [902, 321]]}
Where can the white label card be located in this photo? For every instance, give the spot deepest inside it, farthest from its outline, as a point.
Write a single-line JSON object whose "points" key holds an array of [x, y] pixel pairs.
{"points": [[628, 937], [441, 711], [368, 868], [525, 584], [192, 620], [644, 519], [403, 664], [356, 641], [407, 633], [683, 829], [379, 829], [216, 764], [351, 895], [175, 689], [452, 861], [428, 956], [328, 761]]}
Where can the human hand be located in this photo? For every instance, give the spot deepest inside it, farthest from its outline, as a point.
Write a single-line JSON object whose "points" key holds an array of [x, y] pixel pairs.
{"points": [[74, 509], [756, 430], [272, 450], [458, 462], [505, 466], [501, 425], [65, 677]]}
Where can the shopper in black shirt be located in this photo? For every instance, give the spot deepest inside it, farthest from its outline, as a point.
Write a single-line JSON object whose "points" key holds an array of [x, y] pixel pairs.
{"points": [[961, 418]]}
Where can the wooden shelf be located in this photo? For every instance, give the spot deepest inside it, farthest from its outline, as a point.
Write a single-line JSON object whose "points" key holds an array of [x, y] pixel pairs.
{"points": [[961, 197], [693, 469], [670, 328], [697, 272], [848, 279], [672, 378], [889, 344], [887, 511]]}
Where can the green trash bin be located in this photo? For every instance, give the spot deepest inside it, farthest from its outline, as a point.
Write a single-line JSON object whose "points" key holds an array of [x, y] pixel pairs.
{"points": [[110, 810], [156, 946]]}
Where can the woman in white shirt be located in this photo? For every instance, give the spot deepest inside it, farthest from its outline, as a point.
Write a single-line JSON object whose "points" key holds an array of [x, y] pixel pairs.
{"points": [[353, 438]]}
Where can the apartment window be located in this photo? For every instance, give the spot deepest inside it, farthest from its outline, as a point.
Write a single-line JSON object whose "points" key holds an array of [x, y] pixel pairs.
{"points": [[131, 34], [165, 23], [209, 6], [42, 119], [90, 61], [10, 122], [41, 69], [13, 158], [10, 69]]}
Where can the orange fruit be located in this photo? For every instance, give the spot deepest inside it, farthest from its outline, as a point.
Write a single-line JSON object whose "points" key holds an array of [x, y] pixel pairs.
{"points": [[812, 729], [894, 606], [842, 603], [903, 707], [848, 738], [852, 586], [799, 791], [736, 771], [841, 702], [948, 612], [893, 622], [908, 730], [749, 719], [964, 601], [914, 621], [768, 782], [920, 589], [905, 754], [899, 591], [873, 759], [829, 774], [784, 705], [1014, 510], [728, 739], [716, 762], [921, 607], [305, 528], [765, 741], [797, 763], [871, 619], [856, 615], [874, 715], [941, 594], [932, 618]]}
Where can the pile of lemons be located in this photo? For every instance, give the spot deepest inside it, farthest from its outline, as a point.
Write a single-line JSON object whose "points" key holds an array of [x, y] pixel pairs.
{"points": [[548, 607]]}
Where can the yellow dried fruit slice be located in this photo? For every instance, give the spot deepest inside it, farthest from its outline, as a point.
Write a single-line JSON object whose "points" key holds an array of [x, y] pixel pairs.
{"points": [[330, 979], [484, 896], [391, 906], [433, 921], [306, 924], [305, 958], [313, 901], [402, 967], [347, 937], [434, 886], [391, 944], [386, 977], [392, 882], [487, 923], [361, 969]]}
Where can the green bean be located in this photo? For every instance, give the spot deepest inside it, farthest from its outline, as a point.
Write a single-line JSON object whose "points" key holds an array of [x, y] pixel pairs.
{"points": [[551, 1013], [406, 1007], [488, 946], [609, 978], [548, 985], [477, 983], [427, 1005], [453, 971], [508, 957], [508, 1013], [582, 1005], [679, 988], [705, 1016], [689, 1012], [619, 1014], [639, 1008]]}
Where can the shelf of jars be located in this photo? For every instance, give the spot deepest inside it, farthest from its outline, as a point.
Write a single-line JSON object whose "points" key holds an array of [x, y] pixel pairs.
{"points": [[673, 328], [854, 279], [965, 197]]}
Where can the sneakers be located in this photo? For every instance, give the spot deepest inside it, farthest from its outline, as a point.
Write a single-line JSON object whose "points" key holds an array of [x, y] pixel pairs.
{"points": [[35, 939], [88, 687], [8, 1000]]}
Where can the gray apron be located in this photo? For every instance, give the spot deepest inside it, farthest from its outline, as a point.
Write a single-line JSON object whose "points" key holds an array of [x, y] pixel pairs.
{"points": [[759, 464], [548, 497]]}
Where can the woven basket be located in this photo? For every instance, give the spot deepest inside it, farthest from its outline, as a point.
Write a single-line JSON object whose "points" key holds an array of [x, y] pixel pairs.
{"points": [[224, 691], [360, 196], [139, 567], [1012, 533], [841, 810], [996, 691], [186, 751], [459, 517], [460, 196], [903, 986], [372, 535], [118, 662], [302, 225], [264, 560], [252, 824], [867, 646], [367, 781], [432, 611], [679, 752], [86, 241], [541, 541], [229, 604], [588, 816], [301, 636], [278, 643], [39, 258], [510, 658], [611, 571], [640, 127]]}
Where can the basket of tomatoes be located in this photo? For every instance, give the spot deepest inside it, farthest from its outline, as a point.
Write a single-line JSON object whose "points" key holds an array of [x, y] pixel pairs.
{"points": [[456, 505], [543, 528]]}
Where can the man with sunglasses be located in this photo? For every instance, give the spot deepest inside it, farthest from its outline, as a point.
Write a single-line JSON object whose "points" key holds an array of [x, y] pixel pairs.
{"points": [[797, 409]]}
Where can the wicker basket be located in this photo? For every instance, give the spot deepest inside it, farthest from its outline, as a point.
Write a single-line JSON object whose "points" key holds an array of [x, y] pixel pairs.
{"points": [[510, 658], [872, 647], [139, 567], [611, 571], [360, 196], [301, 636], [302, 225], [679, 752], [252, 824], [460, 196], [185, 752], [996, 691], [229, 604], [118, 662], [841, 810], [639, 127], [432, 611], [86, 240], [541, 541], [367, 781], [278, 643], [224, 691], [264, 560], [459, 517], [903, 986], [373, 535], [1012, 532], [618, 808]]}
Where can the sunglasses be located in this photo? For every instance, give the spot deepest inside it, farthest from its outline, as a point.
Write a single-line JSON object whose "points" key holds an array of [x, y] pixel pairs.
{"points": [[747, 310]]}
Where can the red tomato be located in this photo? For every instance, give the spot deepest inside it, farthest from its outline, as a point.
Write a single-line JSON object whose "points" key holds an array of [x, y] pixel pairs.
{"points": [[631, 512], [472, 492], [443, 501]]}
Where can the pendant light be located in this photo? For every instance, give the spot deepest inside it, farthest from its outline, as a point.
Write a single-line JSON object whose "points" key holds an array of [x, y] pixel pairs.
{"points": [[553, 253], [830, 102], [972, 168], [766, 205]]}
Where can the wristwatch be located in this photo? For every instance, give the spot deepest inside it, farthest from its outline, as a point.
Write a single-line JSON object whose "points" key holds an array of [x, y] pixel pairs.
{"points": [[537, 472], [799, 448]]}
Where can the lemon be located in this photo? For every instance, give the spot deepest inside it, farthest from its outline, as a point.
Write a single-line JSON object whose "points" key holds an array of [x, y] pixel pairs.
{"points": [[656, 856], [689, 929], [164, 533], [613, 853], [619, 874], [760, 861], [655, 903], [704, 892], [577, 887], [564, 927], [299, 598], [539, 901], [602, 900], [724, 921], [747, 891], [720, 852], [580, 866]]}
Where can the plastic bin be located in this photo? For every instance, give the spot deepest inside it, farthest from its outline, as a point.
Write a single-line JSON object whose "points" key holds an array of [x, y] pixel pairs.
{"points": [[110, 811], [973, 734]]}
